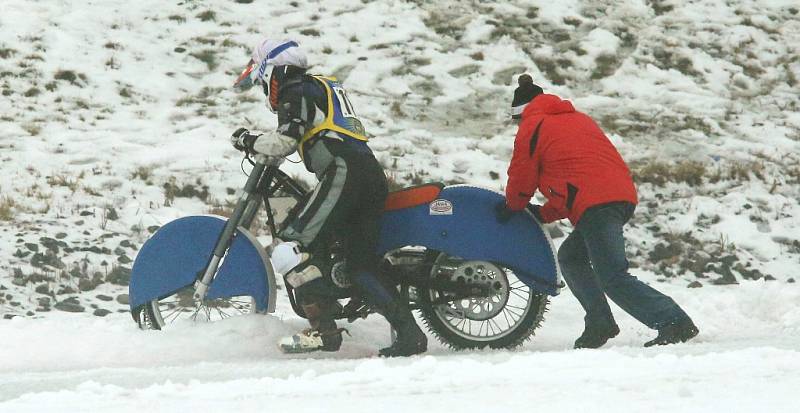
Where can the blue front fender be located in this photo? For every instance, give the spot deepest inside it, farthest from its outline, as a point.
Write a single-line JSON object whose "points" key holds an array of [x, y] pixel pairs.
{"points": [[461, 222], [177, 254]]}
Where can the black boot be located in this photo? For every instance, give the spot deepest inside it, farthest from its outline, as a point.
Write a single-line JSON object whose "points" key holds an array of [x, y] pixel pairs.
{"points": [[410, 339], [675, 332], [595, 336], [386, 300]]}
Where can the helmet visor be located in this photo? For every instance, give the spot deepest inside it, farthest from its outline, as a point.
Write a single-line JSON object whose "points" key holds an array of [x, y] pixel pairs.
{"points": [[245, 80]]}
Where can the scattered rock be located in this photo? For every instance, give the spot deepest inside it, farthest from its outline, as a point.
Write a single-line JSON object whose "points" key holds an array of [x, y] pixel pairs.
{"points": [[39, 277], [32, 247], [52, 244], [728, 260], [66, 290], [119, 276], [70, 305], [664, 251], [86, 213], [61, 235], [112, 214], [123, 299], [43, 289], [750, 274], [790, 281], [101, 312], [123, 259], [86, 284], [49, 259], [726, 279], [695, 284], [102, 297], [697, 263]]}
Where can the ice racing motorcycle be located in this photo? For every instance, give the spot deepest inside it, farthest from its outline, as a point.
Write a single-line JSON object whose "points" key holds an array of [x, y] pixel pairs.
{"points": [[475, 283]]}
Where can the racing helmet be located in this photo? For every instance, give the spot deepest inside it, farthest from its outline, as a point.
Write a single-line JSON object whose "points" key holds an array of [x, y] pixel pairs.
{"points": [[266, 56]]}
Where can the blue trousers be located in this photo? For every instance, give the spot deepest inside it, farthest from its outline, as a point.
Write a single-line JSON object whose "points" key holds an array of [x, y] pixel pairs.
{"points": [[593, 264]]}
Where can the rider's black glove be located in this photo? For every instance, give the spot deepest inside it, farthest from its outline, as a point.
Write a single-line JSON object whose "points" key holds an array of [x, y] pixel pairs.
{"points": [[243, 140], [502, 213]]}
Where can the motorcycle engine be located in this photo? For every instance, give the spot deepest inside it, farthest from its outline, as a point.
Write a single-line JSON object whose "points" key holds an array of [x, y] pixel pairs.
{"points": [[339, 275]]}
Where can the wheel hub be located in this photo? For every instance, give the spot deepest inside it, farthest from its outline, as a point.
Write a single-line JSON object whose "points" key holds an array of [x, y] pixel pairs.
{"points": [[495, 315], [489, 276]]}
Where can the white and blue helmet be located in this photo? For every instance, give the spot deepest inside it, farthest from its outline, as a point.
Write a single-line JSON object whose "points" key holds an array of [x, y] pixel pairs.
{"points": [[266, 55]]}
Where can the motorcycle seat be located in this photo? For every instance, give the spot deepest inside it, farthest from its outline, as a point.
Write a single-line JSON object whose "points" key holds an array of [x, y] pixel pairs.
{"points": [[413, 196]]}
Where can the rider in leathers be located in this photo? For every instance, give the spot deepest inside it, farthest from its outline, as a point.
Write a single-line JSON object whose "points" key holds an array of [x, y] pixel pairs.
{"points": [[316, 119]]}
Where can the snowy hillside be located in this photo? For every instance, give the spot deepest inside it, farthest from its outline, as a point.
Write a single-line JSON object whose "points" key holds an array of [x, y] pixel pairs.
{"points": [[115, 117]]}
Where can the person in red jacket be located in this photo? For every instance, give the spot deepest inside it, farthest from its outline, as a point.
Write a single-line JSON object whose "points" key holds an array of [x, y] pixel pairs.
{"points": [[565, 155]]}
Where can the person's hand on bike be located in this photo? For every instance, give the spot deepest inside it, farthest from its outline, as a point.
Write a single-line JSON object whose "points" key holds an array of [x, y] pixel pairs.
{"points": [[243, 140], [274, 144], [502, 213]]}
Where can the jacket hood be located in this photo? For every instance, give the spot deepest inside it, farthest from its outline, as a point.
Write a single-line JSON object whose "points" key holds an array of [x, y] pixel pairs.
{"points": [[549, 105]]}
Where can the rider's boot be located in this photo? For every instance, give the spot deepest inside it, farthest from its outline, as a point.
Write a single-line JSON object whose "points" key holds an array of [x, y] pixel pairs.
{"points": [[410, 339], [323, 335]]}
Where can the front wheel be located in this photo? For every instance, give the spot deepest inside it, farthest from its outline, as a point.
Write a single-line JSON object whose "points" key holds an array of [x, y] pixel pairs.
{"points": [[504, 319], [182, 307]]}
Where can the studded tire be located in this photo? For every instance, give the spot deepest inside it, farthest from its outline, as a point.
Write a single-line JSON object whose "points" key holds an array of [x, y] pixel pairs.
{"points": [[439, 319]]}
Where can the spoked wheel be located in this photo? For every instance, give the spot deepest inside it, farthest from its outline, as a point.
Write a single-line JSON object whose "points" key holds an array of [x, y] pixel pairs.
{"points": [[504, 319], [181, 307]]}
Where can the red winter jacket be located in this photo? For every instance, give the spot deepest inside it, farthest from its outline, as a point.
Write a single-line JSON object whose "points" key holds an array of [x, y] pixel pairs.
{"points": [[566, 156]]}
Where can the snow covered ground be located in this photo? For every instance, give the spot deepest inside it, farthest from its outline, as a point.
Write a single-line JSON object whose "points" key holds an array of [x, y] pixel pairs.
{"points": [[746, 359], [114, 120]]}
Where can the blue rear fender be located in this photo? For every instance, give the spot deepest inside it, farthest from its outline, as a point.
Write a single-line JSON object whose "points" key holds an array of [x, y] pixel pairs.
{"points": [[461, 222]]}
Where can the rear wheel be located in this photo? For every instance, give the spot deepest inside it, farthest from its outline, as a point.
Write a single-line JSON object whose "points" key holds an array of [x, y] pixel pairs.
{"points": [[182, 307], [504, 319]]}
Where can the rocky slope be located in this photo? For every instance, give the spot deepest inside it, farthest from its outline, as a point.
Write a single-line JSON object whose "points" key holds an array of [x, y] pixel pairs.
{"points": [[115, 117]]}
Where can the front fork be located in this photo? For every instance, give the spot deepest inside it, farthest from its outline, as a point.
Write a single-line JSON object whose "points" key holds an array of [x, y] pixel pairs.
{"points": [[243, 214]]}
